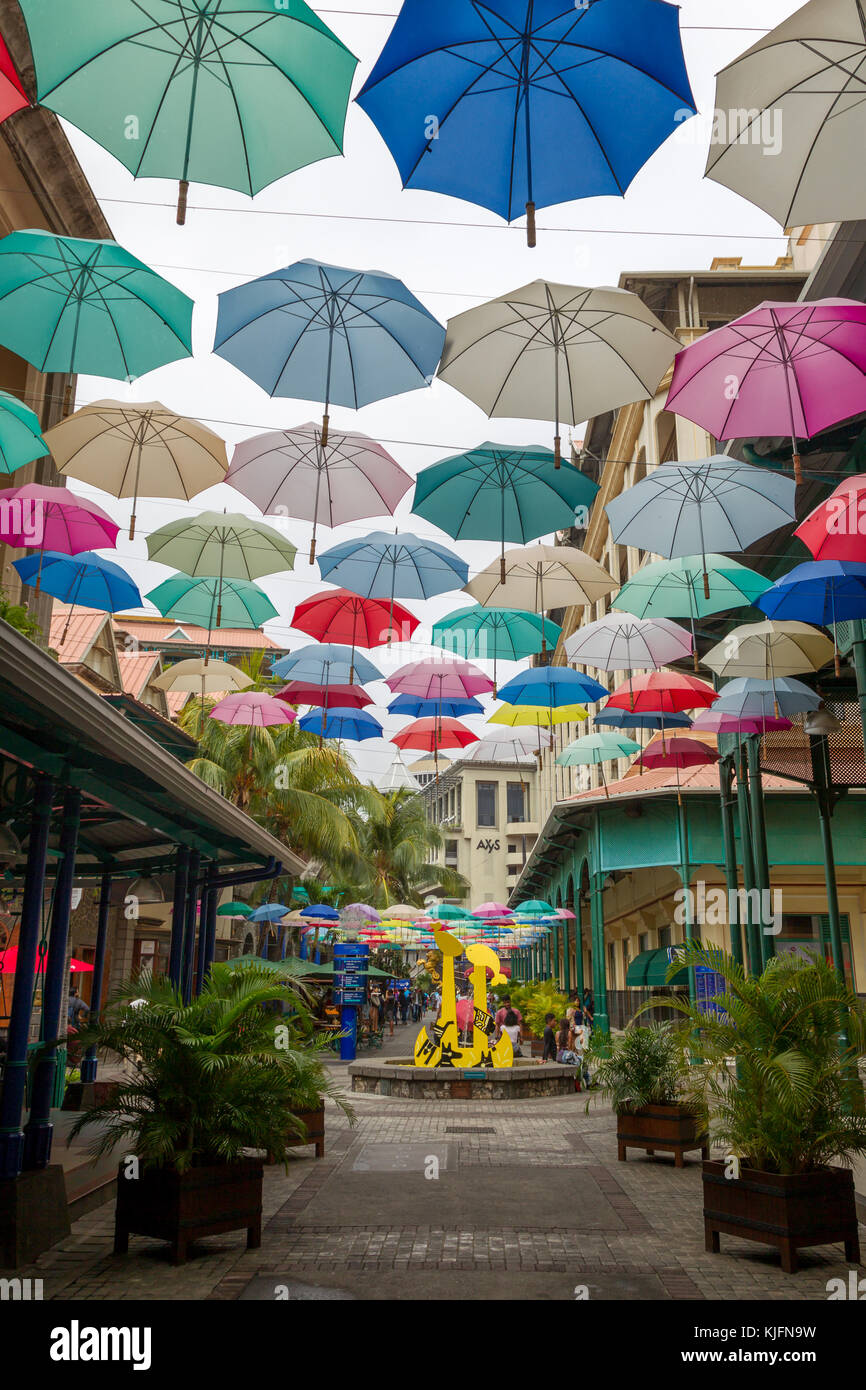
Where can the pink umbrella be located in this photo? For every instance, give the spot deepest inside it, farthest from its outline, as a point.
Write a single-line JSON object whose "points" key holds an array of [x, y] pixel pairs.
{"points": [[782, 369], [53, 518], [491, 910], [254, 708], [711, 722], [440, 680], [564, 912]]}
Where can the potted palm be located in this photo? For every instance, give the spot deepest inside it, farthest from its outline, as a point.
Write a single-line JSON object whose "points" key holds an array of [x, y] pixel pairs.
{"points": [[774, 1063], [638, 1073], [212, 1088]]}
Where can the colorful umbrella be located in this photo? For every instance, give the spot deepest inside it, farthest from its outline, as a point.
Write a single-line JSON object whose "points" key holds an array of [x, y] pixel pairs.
{"points": [[290, 473], [440, 680], [495, 634], [539, 577], [691, 508], [325, 664], [394, 566], [253, 708], [836, 530], [648, 719], [88, 307], [677, 753], [209, 84], [557, 352], [225, 544], [541, 716], [21, 439], [429, 735], [269, 912], [342, 616], [747, 698], [353, 724], [674, 588], [782, 369], [86, 580], [9, 963], [530, 98], [128, 449], [499, 493], [594, 750], [317, 332], [299, 692], [620, 642], [715, 721], [55, 519], [825, 592], [552, 685], [191, 600], [795, 95], [418, 708], [500, 747], [234, 910], [197, 676], [12, 94], [770, 649], [667, 691]]}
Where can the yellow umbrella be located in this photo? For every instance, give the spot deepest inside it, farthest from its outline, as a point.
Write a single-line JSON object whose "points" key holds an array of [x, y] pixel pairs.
{"points": [[537, 716]]}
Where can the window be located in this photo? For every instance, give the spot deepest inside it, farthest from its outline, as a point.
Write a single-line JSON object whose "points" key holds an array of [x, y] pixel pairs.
{"points": [[518, 801], [486, 803], [665, 937], [643, 941], [513, 847], [451, 852], [611, 965]]}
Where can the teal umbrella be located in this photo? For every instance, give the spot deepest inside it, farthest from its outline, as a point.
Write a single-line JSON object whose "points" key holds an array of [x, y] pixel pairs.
{"points": [[191, 600], [594, 750], [494, 634], [20, 434], [501, 493], [74, 306], [233, 94], [234, 910]]}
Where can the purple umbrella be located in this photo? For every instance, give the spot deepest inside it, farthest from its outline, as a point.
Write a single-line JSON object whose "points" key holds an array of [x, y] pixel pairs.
{"points": [[290, 472], [440, 680], [782, 369], [713, 722]]}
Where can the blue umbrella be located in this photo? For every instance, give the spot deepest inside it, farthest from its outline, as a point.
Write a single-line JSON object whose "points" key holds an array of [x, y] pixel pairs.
{"points": [[552, 686], [321, 911], [325, 663], [269, 912], [394, 566], [747, 697], [625, 719], [84, 579], [825, 592], [317, 332], [447, 709], [354, 724], [530, 97]]}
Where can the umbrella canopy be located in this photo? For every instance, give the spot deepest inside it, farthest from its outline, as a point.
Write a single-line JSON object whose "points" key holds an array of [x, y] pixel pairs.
{"points": [[12, 94], [594, 749], [825, 592], [359, 912], [770, 649], [394, 566], [440, 680], [429, 735], [746, 697], [495, 634], [491, 910], [418, 708], [648, 719], [299, 692], [530, 98], [212, 603], [798, 368], [234, 910], [665, 691], [21, 439], [269, 912], [534, 905], [398, 777], [9, 963], [291, 473], [88, 307], [715, 504], [326, 664], [253, 708], [678, 753], [128, 449], [540, 716], [499, 493], [557, 352], [84, 579], [450, 912], [55, 519], [620, 642], [675, 588], [836, 529], [358, 622], [317, 332], [405, 912], [539, 577], [202, 678], [226, 544], [804, 78], [353, 724], [552, 685], [209, 85], [715, 721]]}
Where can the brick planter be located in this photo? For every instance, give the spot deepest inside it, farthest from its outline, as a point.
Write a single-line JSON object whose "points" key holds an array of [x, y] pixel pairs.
{"points": [[454, 1083], [183, 1207], [667, 1128], [789, 1211]]}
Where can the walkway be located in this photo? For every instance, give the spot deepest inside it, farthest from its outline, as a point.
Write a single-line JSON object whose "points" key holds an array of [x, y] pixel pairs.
{"points": [[530, 1203]]}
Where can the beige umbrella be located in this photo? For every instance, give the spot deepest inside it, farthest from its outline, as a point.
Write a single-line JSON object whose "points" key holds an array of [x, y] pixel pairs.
{"points": [[201, 679], [770, 650], [403, 912], [129, 450], [539, 577]]}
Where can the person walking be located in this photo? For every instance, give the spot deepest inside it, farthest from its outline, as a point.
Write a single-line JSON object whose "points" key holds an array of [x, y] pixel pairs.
{"points": [[404, 1006], [465, 1014], [390, 1010], [588, 1009], [549, 1039], [375, 1008]]}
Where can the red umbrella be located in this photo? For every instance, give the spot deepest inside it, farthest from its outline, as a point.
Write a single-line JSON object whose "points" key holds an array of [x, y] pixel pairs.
{"points": [[665, 692], [9, 961], [12, 95], [836, 530], [429, 735], [678, 752], [336, 696], [341, 616]]}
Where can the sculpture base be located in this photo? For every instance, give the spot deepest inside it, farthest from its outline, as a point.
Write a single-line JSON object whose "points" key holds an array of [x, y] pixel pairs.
{"points": [[398, 1076]]}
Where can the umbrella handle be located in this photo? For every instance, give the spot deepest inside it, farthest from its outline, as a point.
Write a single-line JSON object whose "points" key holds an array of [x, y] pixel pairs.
{"points": [[132, 527], [313, 551], [325, 422], [557, 451], [696, 661], [706, 585], [530, 224], [798, 470], [182, 195]]}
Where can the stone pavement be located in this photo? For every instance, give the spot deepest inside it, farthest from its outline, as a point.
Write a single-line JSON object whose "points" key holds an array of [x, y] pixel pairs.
{"points": [[446, 1199]]}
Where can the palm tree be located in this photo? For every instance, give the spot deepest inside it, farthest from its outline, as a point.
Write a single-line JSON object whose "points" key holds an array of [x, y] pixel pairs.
{"points": [[397, 844]]}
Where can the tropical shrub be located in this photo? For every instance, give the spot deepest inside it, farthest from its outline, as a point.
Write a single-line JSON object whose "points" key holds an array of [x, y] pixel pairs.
{"points": [[636, 1068]]}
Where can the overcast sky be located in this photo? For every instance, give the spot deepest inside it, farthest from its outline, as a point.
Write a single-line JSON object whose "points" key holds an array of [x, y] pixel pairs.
{"points": [[352, 212]]}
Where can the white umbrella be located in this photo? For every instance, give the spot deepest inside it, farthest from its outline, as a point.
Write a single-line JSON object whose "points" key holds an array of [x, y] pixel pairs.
{"points": [[539, 577], [766, 651], [203, 679], [796, 117], [557, 352], [145, 449], [621, 642]]}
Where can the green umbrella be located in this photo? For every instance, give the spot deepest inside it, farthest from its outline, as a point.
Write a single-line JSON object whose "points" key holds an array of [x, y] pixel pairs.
{"points": [[447, 912], [234, 910], [20, 434], [494, 634], [74, 306], [677, 589], [535, 905], [191, 600], [594, 750], [235, 95]]}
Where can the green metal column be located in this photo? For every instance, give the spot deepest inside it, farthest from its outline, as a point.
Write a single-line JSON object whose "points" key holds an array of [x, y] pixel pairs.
{"points": [[599, 961], [685, 875], [726, 777], [578, 947], [557, 960], [566, 962], [823, 780], [859, 653], [761, 857], [752, 942]]}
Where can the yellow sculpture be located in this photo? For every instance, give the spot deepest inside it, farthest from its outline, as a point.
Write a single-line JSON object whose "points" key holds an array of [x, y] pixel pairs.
{"points": [[444, 1048]]}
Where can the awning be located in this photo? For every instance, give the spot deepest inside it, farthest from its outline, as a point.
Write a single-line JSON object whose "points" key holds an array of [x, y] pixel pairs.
{"points": [[649, 970]]}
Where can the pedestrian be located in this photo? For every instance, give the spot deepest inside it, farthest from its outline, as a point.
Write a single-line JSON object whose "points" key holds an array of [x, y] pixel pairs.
{"points": [[75, 1007], [465, 1014], [375, 1007], [548, 1039], [417, 1006], [390, 1010], [511, 1026], [505, 1007], [588, 1009], [404, 1006], [582, 1034]]}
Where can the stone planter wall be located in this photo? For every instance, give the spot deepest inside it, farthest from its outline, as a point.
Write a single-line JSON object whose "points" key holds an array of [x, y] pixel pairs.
{"points": [[454, 1083]]}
